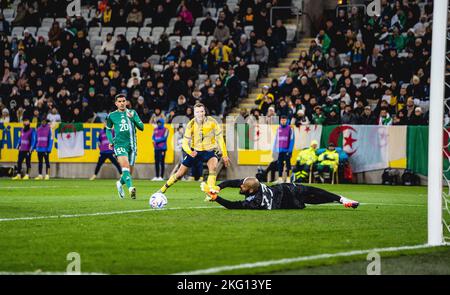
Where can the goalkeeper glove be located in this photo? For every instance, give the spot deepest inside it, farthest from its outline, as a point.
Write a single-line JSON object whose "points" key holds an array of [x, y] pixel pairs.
{"points": [[209, 189], [210, 197]]}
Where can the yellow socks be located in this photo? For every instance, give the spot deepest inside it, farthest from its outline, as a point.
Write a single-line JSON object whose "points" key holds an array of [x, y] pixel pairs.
{"points": [[211, 181], [169, 183]]}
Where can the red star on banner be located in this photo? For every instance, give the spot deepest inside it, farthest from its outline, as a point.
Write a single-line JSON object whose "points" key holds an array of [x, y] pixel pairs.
{"points": [[307, 129], [349, 140]]}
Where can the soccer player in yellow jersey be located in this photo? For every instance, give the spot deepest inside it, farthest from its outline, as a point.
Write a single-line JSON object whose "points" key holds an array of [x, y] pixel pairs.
{"points": [[202, 139]]}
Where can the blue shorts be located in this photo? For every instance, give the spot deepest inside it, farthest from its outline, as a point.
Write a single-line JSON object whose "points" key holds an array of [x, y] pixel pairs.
{"points": [[202, 156]]}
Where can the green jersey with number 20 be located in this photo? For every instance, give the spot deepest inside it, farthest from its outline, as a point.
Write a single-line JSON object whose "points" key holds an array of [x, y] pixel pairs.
{"points": [[124, 128]]}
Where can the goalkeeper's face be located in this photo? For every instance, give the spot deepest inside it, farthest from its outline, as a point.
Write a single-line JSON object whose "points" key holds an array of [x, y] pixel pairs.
{"points": [[249, 186], [199, 114], [243, 190]]}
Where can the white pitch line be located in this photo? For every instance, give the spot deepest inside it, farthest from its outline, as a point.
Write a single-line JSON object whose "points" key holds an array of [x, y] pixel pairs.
{"points": [[2, 273], [100, 213], [39, 186], [299, 259]]}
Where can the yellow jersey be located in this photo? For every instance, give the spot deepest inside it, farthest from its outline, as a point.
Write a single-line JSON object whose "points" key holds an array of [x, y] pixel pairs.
{"points": [[307, 156], [205, 136]]}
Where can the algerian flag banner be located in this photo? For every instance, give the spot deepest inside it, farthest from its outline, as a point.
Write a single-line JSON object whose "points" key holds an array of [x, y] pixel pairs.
{"points": [[367, 146], [70, 140]]}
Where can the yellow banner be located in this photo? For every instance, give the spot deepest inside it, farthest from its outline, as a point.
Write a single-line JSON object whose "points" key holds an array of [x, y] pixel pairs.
{"points": [[145, 152]]}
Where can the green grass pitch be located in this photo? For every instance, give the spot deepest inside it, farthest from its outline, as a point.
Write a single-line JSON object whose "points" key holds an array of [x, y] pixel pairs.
{"points": [[42, 221]]}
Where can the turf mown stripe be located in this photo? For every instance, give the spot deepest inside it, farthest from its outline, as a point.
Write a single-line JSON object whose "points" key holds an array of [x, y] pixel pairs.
{"points": [[27, 273], [302, 258], [100, 213], [177, 208]]}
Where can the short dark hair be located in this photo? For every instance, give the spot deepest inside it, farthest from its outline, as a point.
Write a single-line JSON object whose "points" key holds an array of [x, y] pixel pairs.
{"points": [[199, 105], [119, 96]]}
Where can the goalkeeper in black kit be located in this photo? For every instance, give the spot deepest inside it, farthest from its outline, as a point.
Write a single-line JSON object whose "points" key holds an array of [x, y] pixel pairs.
{"points": [[280, 196]]}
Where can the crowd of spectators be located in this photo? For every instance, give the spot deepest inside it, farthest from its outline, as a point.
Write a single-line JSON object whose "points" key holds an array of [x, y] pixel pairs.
{"points": [[59, 77], [358, 70]]}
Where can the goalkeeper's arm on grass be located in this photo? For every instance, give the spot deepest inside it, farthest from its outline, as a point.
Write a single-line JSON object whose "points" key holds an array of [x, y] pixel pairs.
{"points": [[235, 183]]}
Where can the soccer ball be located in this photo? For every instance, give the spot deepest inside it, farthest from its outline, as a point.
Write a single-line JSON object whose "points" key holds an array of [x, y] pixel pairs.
{"points": [[158, 201]]}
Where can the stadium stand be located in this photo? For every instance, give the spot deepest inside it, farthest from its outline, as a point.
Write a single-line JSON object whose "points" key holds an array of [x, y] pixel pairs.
{"points": [[52, 64], [359, 66]]}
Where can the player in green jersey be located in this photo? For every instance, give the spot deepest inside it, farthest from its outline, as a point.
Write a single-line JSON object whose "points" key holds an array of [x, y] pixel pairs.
{"points": [[124, 122]]}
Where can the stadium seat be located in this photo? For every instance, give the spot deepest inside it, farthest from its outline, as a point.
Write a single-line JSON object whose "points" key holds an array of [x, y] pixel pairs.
{"points": [[371, 78], [106, 30], [94, 31], [344, 58], [201, 40], [291, 32], [169, 30], [97, 50], [120, 31], [130, 38], [356, 78], [95, 41], [173, 40], [213, 77], [103, 35], [158, 68], [131, 35], [198, 21], [32, 30], [254, 69], [154, 59], [61, 21], [186, 41], [92, 12], [157, 31], [17, 31], [209, 39], [213, 11], [133, 29], [100, 57], [202, 78], [145, 32], [85, 13], [43, 32], [147, 21], [195, 31], [47, 22], [8, 13], [232, 6], [172, 21]]}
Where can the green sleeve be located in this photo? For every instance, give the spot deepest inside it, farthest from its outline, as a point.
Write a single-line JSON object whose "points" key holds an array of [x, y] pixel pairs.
{"points": [[138, 121], [109, 122], [109, 126], [109, 136]]}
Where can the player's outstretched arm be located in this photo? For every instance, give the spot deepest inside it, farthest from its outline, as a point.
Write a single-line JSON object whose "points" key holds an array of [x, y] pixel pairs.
{"points": [[231, 204], [230, 183]]}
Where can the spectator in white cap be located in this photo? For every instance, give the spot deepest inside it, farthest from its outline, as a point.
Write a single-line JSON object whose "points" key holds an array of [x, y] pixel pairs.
{"points": [[5, 116], [300, 118], [418, 118]]}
